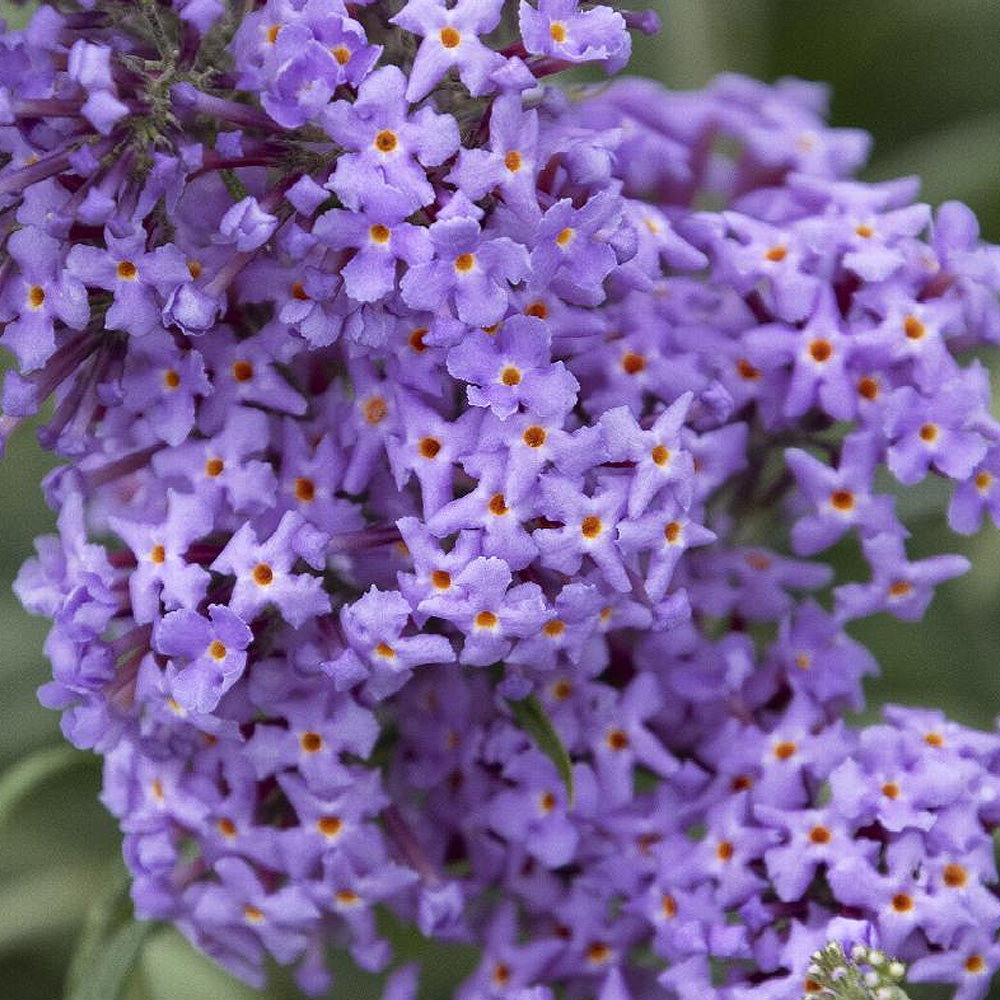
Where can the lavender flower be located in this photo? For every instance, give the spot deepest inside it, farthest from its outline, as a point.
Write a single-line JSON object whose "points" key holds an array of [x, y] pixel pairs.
{"points": [[470, 274], [40, 294], [450, 39]]}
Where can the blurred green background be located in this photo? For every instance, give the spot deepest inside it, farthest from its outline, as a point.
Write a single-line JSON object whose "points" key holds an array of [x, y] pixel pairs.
{"points": [[924, 77]]}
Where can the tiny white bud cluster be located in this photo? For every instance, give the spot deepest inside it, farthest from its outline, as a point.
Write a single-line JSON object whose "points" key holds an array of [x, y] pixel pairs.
{"points": [[869, 974]]}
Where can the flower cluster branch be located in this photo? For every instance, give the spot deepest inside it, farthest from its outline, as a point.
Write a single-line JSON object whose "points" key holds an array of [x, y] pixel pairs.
{"points": [[449, 459]]}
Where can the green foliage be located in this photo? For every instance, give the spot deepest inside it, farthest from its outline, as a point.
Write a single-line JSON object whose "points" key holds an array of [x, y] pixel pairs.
{"points": [[110, 969], [109, 910], [530, 715], [20, 779]]}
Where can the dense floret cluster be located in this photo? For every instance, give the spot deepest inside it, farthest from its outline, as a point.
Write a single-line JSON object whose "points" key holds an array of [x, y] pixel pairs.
{"points": [[446, 454]]}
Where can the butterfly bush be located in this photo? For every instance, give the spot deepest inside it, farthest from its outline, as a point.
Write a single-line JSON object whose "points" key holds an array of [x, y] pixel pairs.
{"points": [[446, 459]]}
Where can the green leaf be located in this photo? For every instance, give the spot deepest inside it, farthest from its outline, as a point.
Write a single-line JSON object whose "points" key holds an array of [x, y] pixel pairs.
{"points": [[20, 779], [44, 905], [530, 715], [108, 975], [110, 909], [236, 188], [174, 970], [970, 177], [17, 16]]}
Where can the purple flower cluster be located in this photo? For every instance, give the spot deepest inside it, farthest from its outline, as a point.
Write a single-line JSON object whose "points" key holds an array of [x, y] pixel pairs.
{"points": [[398, 391]]}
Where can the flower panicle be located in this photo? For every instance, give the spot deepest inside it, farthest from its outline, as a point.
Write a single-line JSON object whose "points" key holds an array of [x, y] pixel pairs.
{"points": [[446, 493]]}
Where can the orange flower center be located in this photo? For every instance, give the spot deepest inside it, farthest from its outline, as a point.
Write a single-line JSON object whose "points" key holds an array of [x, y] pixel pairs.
{"points": [[561, 690], [821, 350], [617, 739], [902, 903], [598, 953], [375, 410], [868, 388], [842, 500], [311, 742], [329, 826], [661, 455], [955, 876], [534, 436], [633, 363], [242, 371], [429, 447], [386, 141], [305, 489]]}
